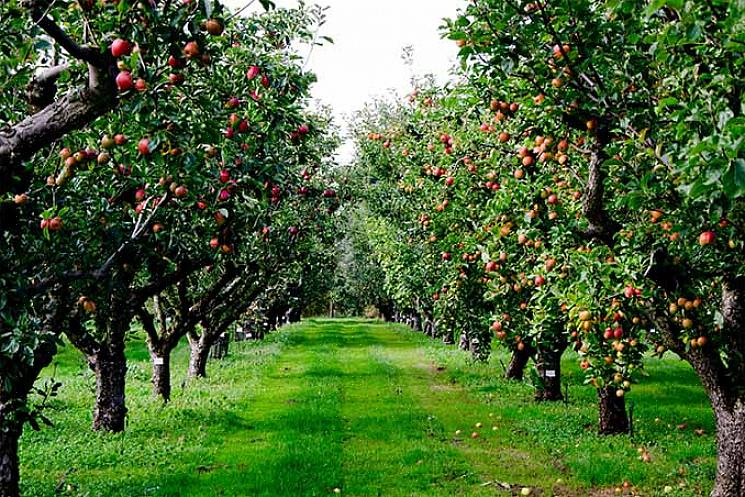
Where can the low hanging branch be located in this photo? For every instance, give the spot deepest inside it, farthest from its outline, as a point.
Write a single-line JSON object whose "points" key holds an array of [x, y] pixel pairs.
{"points": [[77, 108]]}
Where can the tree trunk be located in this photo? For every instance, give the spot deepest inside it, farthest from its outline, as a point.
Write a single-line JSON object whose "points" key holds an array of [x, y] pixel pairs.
{"points": [[161, 374], [110, 367], [516, 367], [198, 359], [9, 474], [613, 417], [730, 479], [548, 365]]}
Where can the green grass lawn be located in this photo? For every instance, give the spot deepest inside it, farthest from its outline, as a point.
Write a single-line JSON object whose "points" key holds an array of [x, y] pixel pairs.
{"points": [[371, 410]]}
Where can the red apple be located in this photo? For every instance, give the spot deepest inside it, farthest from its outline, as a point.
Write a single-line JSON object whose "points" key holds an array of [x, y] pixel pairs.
{"points": [[124, 81], [224, 176], [252, 72], [120, 48], [175, 62], [143, 146], [191, 49], [706, 238]]}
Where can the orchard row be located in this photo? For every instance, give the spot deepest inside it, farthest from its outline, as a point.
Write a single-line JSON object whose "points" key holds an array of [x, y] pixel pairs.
{"points": [[167, 177], [582, 185]]}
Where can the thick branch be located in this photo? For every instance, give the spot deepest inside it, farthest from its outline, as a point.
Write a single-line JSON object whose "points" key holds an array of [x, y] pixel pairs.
{"points": [[80, 338], [600, 227], [71, 112]]}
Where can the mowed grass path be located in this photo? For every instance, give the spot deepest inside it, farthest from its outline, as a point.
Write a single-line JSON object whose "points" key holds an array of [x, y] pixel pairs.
{"points": [[364, 409]]}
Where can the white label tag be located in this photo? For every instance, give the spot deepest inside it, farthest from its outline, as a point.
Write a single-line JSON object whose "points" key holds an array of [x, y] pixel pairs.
{"points": [[158, 361], [550, 373]]}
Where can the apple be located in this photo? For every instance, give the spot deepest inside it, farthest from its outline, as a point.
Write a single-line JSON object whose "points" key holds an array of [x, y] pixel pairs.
{"points": [[252, 72], [140, 194], [265, 81], [706, 238], [175, 78], [214, 243], [180, 191], [618, 332], [119, 139], [496, 326], [539, 280], [445, 256], [44, 224], [175, 62], [55, 224], [293, 230], [124, 81], [224, 195], [233, 102], [89, 306], [120, 48], [157, 228], [243, 126], [20, 199], [303, 129], [191, 49], [140, 84], [143, 146], [214, 27]]}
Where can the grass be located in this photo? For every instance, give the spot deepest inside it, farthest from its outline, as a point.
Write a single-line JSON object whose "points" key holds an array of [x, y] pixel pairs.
{"points": [[370, 409]]}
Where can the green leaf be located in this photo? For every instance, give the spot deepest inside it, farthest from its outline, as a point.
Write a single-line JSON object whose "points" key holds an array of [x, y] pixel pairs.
{"points": [[733, 180]]}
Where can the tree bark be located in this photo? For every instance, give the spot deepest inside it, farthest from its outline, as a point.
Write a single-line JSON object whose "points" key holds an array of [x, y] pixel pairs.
{"points": [[613, 417], [110, 367], [9, 464], [730, 479], [161, 374], [516, 367], [198, 359], [548, 365]]}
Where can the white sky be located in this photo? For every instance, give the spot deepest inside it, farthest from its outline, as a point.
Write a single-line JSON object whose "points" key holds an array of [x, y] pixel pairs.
{"points": [[369, 37]]}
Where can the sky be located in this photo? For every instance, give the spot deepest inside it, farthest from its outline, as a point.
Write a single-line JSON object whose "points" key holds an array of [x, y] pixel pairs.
{"points": [[366, 58]]}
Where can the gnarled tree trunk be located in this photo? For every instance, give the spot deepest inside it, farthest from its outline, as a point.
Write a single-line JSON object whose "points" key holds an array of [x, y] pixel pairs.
{"points": [[161, 360], [516, 368], [548, 366], [110, 367], [613, 418], [10, 432], [730, 479], [200, 349]]}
